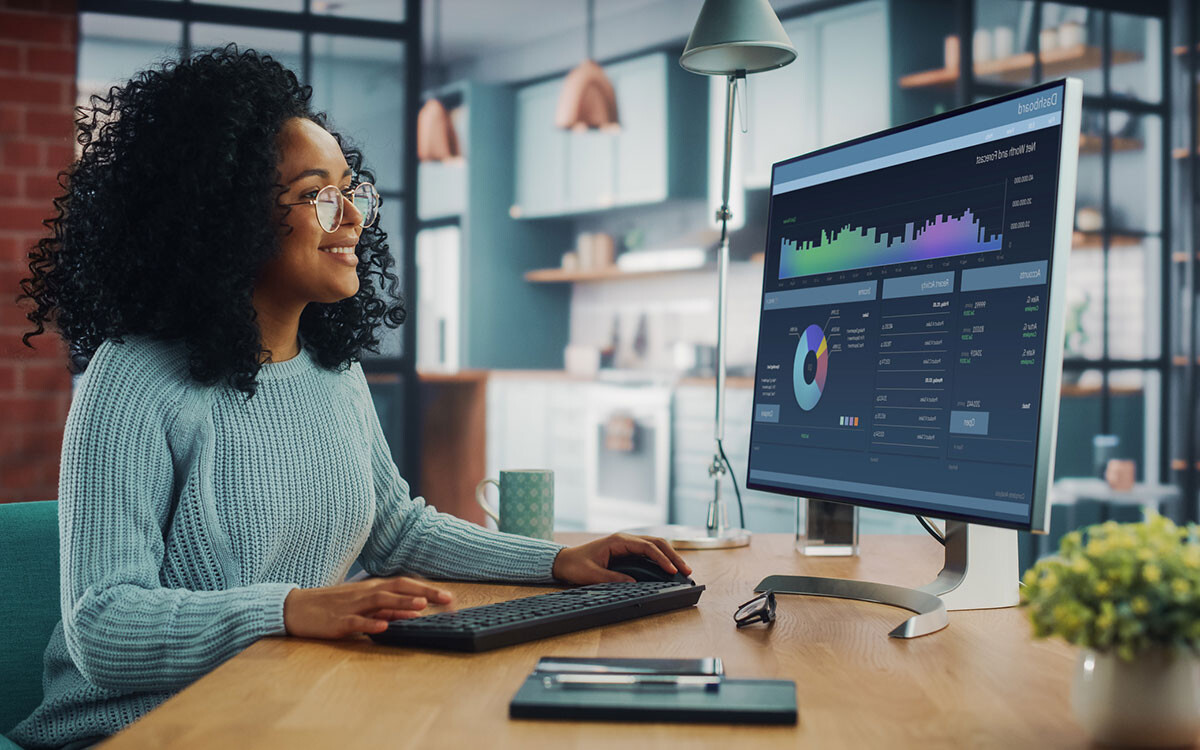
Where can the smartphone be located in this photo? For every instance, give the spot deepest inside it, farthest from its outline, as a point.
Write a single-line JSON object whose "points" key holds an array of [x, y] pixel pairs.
{"points": [[602, 665]]}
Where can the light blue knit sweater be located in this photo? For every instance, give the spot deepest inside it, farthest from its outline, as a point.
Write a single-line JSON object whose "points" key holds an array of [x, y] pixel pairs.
{"points": [[282, 491]]}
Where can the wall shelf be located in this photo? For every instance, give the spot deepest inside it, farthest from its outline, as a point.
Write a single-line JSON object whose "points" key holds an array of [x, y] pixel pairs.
{"points": [[1090, 143], [1094, 240], [614, 273], [1019, 68]]}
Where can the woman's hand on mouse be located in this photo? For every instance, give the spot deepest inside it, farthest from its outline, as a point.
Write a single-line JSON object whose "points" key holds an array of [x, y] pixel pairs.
{"points": [[360, 607], [588, 563]]}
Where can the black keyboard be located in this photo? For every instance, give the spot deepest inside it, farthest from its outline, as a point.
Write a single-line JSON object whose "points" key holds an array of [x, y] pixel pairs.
{"points": [[519, 620]]}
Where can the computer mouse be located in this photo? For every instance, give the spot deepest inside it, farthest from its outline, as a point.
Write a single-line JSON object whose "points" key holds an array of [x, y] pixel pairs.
{"points": [[642, 568]]}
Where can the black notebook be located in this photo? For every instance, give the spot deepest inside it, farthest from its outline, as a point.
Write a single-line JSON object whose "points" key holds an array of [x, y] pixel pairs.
{"points": [[724, 701]]}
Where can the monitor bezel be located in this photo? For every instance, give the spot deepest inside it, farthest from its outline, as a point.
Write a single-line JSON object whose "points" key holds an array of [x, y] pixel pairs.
{"points": [[1047, 432]]}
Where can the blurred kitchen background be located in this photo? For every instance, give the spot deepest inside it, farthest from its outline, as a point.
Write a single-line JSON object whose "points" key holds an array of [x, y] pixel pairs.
{"points": [[562, 285]]}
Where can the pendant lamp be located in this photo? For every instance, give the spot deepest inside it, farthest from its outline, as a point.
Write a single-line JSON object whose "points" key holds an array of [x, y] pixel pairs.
{"points": [[436, 139], [588, 100]]}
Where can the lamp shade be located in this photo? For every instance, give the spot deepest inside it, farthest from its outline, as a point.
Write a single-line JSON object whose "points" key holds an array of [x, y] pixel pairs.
{"points": [[737, 35], [436, 139], [588, 100]]}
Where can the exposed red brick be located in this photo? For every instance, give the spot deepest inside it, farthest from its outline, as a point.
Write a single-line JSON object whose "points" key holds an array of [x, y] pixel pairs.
{"points": [[38, 188], [30, 410], [21, 152], [45, 378], [15, 246], [11, 122], [19, 88], [18, 478], [58, 156], [23, 218], [10, 186], [60, 60], [53, 123], [10, 57], [36, 27], [8, 383], [13, 315], [45, 442], [12, 440]]}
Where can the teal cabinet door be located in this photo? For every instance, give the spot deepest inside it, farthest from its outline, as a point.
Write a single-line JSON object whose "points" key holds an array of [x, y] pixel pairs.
{"points": [[641, 149], [541, 172], [591, 167]]}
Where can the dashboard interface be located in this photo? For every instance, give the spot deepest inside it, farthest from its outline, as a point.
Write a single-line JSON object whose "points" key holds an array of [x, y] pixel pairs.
{"points": [[902, 336]]}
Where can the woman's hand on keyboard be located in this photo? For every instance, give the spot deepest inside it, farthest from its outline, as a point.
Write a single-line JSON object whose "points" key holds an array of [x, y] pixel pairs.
{"points": [[360, 607], [588, 563]]}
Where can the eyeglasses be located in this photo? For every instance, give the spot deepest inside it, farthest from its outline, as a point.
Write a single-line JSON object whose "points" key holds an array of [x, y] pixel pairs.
{"points": [[759, 609], [330, 202]]}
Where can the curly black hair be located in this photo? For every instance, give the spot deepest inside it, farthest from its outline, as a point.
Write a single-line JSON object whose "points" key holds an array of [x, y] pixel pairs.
{"points": [[169, 215]]}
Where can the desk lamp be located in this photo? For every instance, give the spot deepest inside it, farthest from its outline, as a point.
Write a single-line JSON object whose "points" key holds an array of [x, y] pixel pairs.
{"points": [[731, 38]]}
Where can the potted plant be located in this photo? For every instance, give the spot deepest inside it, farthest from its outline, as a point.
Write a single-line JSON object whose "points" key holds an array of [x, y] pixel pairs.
{"points": [[1129, 596]]}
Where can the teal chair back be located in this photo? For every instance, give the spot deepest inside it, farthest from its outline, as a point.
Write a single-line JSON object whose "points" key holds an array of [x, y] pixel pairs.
{"points": [[29, 603]]}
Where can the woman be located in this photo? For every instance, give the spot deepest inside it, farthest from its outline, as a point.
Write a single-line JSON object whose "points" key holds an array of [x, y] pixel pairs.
{"points": [[217, 269]]}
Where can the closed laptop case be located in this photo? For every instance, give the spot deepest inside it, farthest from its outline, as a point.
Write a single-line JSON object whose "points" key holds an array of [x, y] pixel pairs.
{"points": [[735, 702]]}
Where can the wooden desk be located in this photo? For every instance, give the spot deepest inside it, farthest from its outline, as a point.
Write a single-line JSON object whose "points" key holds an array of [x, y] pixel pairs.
{"points": [[979, 683]]}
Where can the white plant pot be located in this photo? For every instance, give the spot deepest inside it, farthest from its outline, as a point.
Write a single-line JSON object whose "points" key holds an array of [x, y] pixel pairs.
{"points": [[1152, 701]]}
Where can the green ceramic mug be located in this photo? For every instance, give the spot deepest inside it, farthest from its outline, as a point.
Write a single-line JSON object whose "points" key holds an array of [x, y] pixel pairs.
{"points": [[526, 502]]}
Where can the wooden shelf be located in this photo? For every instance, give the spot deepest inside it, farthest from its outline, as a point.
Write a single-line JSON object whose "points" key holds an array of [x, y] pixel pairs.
{"points": [[1094, 240], [614, 273], [1094, 144], [1019, 68], [561, 275], [1182, 49], [1182, 152]]}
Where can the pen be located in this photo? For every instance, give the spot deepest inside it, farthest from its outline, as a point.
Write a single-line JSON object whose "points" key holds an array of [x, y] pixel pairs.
{"points": [[626, 681]]}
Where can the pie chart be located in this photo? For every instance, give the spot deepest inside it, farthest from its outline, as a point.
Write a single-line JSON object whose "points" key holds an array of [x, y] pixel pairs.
{"points": [[810, 367]]}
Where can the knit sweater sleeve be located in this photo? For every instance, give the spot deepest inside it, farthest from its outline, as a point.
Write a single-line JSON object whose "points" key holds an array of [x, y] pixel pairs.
{"points": [[410, 536], [123, 629]]}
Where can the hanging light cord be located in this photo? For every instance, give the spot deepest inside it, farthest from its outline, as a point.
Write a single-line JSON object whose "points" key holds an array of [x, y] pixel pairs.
{"points": [[591, 10]]}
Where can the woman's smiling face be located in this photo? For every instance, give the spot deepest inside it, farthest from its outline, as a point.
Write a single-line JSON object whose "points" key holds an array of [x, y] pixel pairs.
{"points": [[308, 268]]}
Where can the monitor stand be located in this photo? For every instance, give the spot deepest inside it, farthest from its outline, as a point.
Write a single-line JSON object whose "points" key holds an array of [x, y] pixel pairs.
{"points": [[980, 572]]}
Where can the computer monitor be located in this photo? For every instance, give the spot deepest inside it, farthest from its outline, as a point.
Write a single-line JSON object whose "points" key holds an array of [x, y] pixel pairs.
{"points": [[911, 327]]}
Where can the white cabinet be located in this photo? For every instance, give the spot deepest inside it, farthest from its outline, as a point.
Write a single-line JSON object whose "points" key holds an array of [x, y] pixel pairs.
{"points": [[838, 88], [537, 423], [641, 148], [692, 446], [541, 168], [650, 159]]}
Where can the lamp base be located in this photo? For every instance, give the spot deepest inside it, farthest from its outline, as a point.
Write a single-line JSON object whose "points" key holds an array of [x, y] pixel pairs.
{"points": [[697, 537]]}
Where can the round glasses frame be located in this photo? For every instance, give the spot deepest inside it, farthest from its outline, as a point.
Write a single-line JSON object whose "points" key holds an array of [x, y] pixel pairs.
{"points": [[330, 203]]}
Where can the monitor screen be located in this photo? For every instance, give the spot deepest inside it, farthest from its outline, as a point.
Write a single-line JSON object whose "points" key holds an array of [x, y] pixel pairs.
{"points": [[910, 338]]}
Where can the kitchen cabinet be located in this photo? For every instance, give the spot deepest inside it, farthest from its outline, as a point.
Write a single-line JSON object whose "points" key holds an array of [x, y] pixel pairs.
{"points": [[838, 88], [541, 153], [657, 154], [472, 254], [766, 512], [692, 447], [537, 422]]}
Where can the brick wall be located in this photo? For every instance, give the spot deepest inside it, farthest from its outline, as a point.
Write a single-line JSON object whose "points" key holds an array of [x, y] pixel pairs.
{"points": [[38, 40]]}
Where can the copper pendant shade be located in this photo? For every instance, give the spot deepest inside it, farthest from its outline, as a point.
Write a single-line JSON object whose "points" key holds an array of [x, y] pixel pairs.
{"points": [[588, 100], [436, 139]]}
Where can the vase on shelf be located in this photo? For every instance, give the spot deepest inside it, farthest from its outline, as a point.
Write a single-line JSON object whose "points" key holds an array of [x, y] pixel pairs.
{"points": [[1151, 701]]}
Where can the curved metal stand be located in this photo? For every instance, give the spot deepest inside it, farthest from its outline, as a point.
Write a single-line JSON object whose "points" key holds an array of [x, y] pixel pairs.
{"points": [[930, 611], [980, 572]]}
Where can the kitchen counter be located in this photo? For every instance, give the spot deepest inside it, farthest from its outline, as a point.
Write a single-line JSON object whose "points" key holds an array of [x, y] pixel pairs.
{"points": [[626, 378]]}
